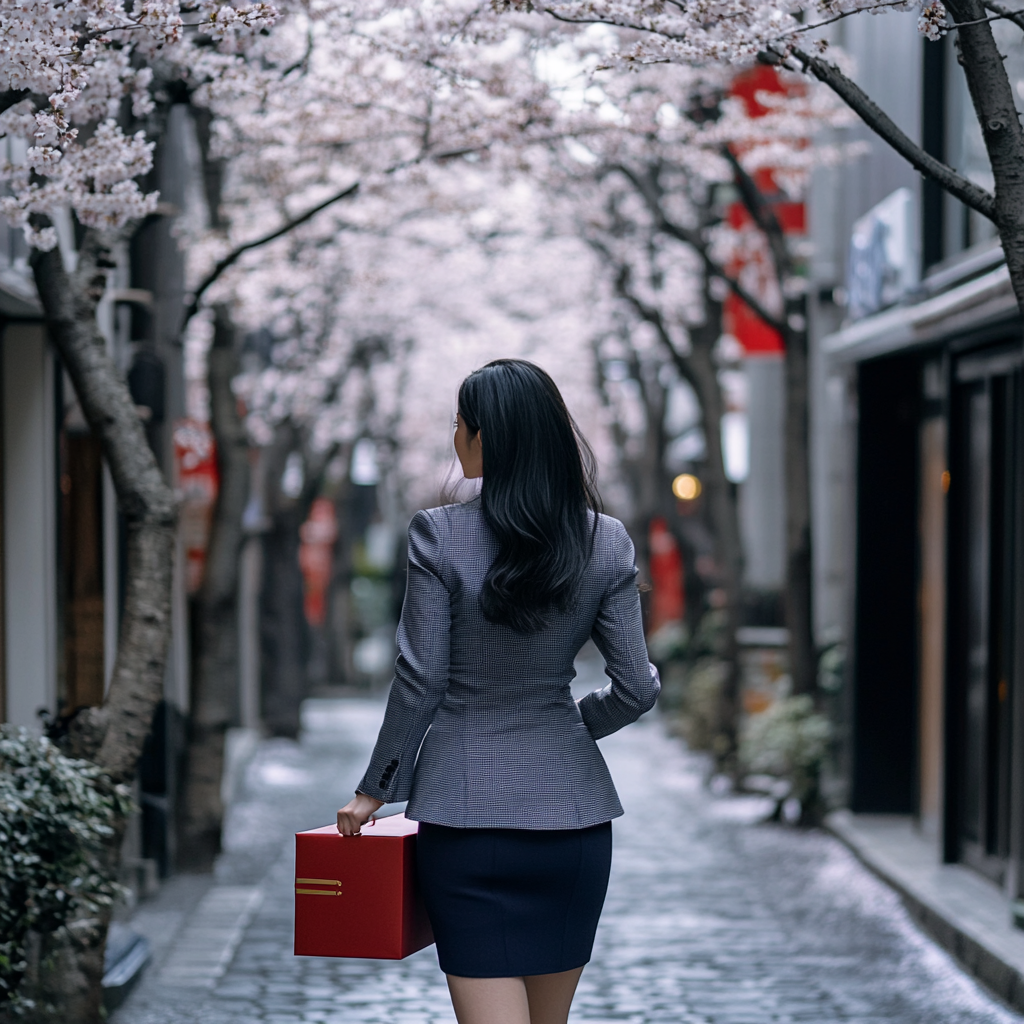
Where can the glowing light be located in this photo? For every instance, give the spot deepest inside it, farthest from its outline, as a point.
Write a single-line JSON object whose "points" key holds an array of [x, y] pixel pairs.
{"points": [[686, 487]]}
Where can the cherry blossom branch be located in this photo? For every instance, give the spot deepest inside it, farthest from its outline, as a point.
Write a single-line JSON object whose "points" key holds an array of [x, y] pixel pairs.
{"points": [[879, 122], [696, 242], [801, 29], [651, 314], [619, 23], [233, 256], [694, 239]]}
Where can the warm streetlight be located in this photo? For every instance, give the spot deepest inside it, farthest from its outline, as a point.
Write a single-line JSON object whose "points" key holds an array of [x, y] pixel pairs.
{"points": [[686, 487]]}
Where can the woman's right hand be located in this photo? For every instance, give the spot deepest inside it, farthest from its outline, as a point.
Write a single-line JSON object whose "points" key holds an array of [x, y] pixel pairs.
{"points": [[356, 813]]}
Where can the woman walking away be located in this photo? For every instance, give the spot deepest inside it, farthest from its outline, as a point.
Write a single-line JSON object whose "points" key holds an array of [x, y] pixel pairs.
{"points": [[513, 797]]}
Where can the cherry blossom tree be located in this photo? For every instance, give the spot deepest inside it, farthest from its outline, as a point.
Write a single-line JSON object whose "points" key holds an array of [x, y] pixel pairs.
{"points": [[658, 184], [376, 327], [85, 92], [358, 102], [794, 35], [367, 106], [469, 278]]}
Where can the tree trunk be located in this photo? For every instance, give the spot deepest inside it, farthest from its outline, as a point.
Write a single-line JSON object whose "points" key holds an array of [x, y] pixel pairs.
{"points": [[652, 492], [66, 970], [283, 626], [113, 734], [992, 95], [215, 682], [721, 501], [803, 656], [283, 631]]}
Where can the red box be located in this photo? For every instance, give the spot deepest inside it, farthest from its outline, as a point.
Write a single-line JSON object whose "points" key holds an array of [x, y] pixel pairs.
{"points": [[357, 895]]}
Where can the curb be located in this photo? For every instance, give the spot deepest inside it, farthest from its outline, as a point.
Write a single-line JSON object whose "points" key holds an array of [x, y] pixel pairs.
{"points": [[965, 940]]}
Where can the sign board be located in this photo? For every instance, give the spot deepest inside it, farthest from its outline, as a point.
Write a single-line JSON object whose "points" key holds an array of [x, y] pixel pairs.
{"points": [[883, 260], [197, 479]]}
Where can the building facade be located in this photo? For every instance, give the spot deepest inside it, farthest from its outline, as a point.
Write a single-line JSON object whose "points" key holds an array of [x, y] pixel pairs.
{"points": [[918, 472]]}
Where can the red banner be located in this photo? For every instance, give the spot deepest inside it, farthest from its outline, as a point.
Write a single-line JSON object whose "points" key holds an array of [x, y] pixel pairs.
{"points": [[756, 268], [317, 535], [197, 481], [668, 602]]}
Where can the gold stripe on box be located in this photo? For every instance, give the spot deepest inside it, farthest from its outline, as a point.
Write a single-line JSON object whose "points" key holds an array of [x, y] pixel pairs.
{"points": [[299, 882]]}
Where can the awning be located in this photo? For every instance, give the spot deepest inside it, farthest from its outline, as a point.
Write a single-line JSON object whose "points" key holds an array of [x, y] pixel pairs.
{"points": [[18, 297], [967, 308]]}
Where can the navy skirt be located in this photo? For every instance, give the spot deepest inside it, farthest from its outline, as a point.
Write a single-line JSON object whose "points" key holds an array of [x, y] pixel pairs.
{"points": [[505, 902]]}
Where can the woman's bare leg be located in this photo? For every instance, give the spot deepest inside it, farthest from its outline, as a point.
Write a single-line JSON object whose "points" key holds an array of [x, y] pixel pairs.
{"points": [[550, 995], [489, 1000]]}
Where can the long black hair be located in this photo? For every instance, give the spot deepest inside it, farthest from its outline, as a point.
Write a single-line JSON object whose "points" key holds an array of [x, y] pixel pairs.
{"points": [[539, 482]]}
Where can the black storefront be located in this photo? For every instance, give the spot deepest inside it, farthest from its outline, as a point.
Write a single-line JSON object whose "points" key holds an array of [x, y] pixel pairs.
{"points": [[933, 722]]}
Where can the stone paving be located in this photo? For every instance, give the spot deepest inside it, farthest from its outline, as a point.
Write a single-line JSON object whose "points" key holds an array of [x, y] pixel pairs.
{"points": [[711, 918]]}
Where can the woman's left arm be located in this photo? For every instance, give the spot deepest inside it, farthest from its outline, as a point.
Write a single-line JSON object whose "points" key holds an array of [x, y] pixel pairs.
{"points": [[619, 635], [421, 669]]}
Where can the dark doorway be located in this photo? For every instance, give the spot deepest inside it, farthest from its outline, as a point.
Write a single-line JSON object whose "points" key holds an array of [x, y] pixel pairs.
{"points": [[884, 699], [982, 542]]}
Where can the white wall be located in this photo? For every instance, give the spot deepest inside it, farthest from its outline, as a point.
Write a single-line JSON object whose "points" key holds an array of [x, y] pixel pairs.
{"points": [[887, 54], [763, 493], [29, 472]]}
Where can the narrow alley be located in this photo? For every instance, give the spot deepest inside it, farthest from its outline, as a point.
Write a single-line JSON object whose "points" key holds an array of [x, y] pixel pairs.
{"points": [[711, 917]]}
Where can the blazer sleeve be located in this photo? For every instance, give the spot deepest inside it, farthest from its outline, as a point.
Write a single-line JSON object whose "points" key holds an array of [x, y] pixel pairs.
{"points": [[619, 634], [421, 668]]}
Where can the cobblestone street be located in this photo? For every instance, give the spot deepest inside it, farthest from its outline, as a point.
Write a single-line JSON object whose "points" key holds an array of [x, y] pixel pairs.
{"points": [[710, 917]]}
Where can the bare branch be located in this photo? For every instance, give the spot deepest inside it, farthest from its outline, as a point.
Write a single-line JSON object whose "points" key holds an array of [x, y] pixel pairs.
{"points": [[9, 97], [693, 239], [761, 211], [802, 29], [1017, 17], [879, 122], [953, 26], [618, 23]]}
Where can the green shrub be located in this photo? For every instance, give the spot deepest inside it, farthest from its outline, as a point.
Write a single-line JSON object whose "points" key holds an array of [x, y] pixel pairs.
{"points": [[55, 815], [701, 703], [789, 740]]}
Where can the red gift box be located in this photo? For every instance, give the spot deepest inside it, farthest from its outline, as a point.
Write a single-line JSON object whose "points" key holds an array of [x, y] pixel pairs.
{"points": [[357, 895]]}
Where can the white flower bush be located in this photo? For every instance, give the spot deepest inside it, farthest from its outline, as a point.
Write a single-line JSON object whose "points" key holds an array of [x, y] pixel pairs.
{"points": [[56, 814], [790, 741]]}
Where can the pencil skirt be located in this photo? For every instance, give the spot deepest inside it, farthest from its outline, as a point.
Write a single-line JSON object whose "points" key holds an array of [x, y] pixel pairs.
{"points": [[506, 903]]}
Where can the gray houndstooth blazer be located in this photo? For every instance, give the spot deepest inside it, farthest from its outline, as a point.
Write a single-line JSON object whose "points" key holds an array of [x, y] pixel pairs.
{"points": [[504, 745]]}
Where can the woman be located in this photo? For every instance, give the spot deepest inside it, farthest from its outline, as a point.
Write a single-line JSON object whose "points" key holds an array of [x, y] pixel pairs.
{"points": [[513, 797]]}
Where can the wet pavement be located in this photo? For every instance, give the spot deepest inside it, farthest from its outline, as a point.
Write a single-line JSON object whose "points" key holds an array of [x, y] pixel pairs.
{"points": [[710, 917]]}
